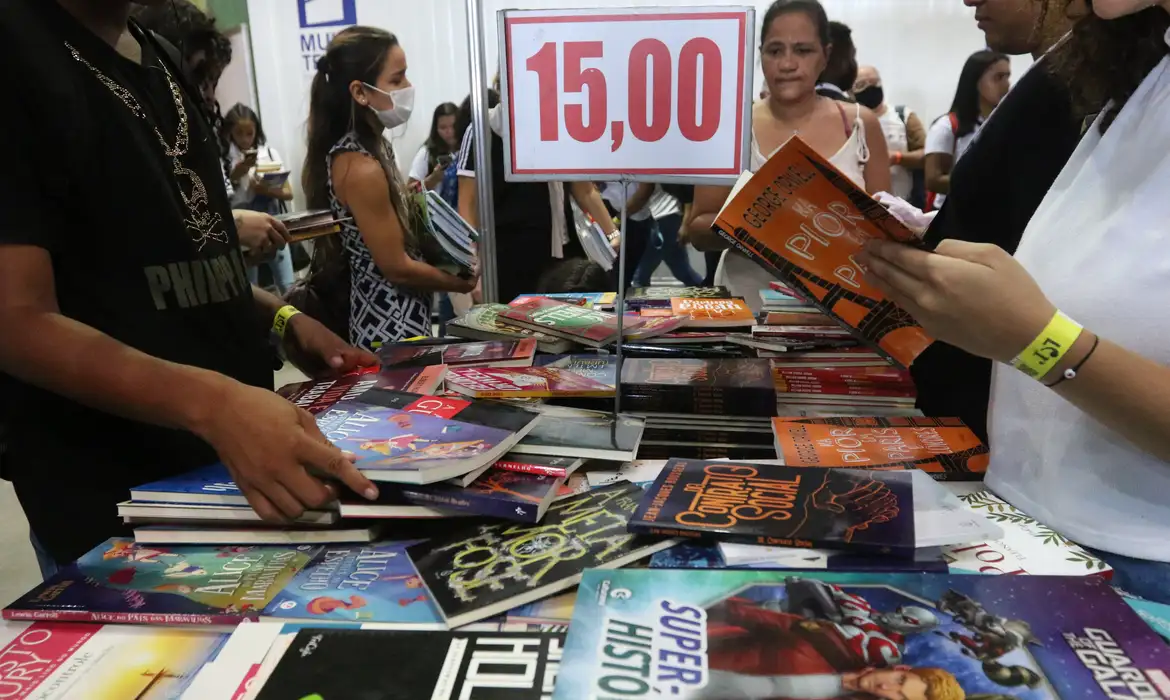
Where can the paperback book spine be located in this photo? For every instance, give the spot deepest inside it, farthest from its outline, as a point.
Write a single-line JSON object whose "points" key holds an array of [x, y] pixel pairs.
{"points": [[525, 468], [473, 503], [126, 618]]}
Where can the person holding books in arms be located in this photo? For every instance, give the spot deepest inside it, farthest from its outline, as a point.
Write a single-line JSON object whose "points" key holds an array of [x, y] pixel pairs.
{"points": [[360, 90], [1079, 410], [248, 153], [984, 82], [794, 49], [137, 349], [430, 168]]}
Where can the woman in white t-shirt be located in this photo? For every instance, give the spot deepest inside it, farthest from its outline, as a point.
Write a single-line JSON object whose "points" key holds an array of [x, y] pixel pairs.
{"points": [[985, 80], [259, 181], [1080, 439], [794, 49], [436, 156]]}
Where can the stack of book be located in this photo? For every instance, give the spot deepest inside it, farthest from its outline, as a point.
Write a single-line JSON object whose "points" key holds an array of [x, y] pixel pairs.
{"points": [[449, 241], [602, 301], [311, 224], [590, 327], [500, 353], [485, 322], [554, 376]]}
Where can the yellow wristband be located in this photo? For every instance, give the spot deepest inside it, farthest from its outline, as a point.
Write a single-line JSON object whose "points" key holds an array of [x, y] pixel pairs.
{"points": [[1046, 351], [280, 323]]}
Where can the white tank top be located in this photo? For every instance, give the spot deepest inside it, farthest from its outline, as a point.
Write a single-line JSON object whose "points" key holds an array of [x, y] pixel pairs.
{"points": [[745, 278], [901, 181], [1097, 246]]}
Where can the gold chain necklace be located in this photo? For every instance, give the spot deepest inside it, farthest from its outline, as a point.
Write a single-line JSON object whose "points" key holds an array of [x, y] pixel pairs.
{"points": [[202, 224]]}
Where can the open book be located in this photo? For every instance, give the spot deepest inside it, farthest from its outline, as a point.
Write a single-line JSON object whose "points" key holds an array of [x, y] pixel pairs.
{"points": [[804, 221]]}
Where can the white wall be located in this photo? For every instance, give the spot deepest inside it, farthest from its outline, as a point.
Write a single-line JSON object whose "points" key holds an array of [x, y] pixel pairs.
{"points": [[919, 46]]}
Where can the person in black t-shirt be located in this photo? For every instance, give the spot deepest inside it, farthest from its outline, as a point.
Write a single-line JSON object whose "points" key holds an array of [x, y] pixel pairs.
{"points": [[998, 184], [137, 347]]}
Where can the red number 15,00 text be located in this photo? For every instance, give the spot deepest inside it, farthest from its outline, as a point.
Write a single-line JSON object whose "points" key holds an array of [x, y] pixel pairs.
{"points": [[651, 83]]}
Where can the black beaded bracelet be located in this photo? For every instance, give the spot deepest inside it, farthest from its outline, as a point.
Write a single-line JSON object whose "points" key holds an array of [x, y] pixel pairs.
{"points": [[1071, 372]]}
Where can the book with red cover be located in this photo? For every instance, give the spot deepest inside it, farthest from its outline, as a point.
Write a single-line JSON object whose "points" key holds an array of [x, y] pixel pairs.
{"points": [[805, 222], [945, 448], [712, 313], [560, 467], [495, 353], [567, 376], [317, 396], [586, 326], [869, 511]]}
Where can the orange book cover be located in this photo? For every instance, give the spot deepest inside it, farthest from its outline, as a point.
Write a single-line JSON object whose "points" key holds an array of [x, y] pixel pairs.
{"points": [[804, 221], [943, 447], [712, 313]]}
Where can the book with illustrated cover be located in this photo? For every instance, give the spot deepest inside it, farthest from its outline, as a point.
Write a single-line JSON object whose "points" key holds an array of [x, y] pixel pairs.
{"points": [[316, 396], [483, 322], [324, 664], [477, 572], [782, 635], [371, 584], [660, 297], [560, 376], [124, 582], [712, 313], [734, 387], [805, 222], [864, 511], [576, 323], [494, 353], [573, 432], [602, 301], [560, 467], [945, 448], [498, 493], [393, 444], [212, 485], [1027, 546], [62, 661]]}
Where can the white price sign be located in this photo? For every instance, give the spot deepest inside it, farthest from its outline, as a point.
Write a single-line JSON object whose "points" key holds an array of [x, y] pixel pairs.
{"points": [[656, 94]]}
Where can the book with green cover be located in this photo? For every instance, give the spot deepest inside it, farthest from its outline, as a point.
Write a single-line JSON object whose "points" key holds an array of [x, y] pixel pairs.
{"points": [[483, 322], [586, 326]]}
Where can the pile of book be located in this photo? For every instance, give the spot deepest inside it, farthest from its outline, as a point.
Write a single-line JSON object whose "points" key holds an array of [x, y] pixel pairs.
{"points": [[448, 240], [315, 223]]}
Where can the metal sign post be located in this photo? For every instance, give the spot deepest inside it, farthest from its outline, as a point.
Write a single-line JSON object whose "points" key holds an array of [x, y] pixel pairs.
{"points": [[482, 133], [621, 299]]}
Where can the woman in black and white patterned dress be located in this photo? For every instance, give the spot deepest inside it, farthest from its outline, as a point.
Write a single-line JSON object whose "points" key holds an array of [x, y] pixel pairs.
{"points": [[361, 89]]}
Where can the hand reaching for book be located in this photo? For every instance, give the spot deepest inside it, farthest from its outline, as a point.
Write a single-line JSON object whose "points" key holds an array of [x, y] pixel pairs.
{"points": [[277, 456], [972, 295]]}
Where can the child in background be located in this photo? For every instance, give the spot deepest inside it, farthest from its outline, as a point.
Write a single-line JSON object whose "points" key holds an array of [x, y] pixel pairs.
{"points": [[249, 158]]}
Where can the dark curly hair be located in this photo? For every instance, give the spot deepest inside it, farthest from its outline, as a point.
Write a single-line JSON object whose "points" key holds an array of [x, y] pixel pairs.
{"points": [[1105, 61], [193, 32]]}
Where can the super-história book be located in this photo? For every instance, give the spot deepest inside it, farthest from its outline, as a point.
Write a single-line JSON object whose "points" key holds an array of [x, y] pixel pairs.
{"points": [[805, 222], [945, 448], [334, 663], [484, 570], [783, 506], [778, 635], [371, 584], [124, 582]]}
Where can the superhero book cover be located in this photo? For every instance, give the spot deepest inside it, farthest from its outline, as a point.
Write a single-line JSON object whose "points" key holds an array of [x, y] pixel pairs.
{"points": [[373, 583], [121, 581], [323, 664], [945, 448], [805, 222], [487, 569], [756, 635], [854, 509]]}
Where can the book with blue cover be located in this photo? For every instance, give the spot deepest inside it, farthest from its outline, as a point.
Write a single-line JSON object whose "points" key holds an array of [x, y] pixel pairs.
{"points": [[126, 582], [374, 584], [776, 635], [210, 485], [498, 493], [398, 445]]}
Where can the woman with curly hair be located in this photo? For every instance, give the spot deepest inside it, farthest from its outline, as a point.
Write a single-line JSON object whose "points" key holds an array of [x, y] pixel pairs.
{"points": [[1081, 434]]}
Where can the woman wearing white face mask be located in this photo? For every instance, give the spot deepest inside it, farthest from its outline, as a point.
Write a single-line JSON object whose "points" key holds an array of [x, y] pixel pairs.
{"points": [[361, 89]]}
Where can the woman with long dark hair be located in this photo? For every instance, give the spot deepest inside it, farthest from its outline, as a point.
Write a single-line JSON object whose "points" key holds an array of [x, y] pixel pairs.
{"points": [[434, 157], [985, 80], [794, 50], [360, 90], [1080, 436]]}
